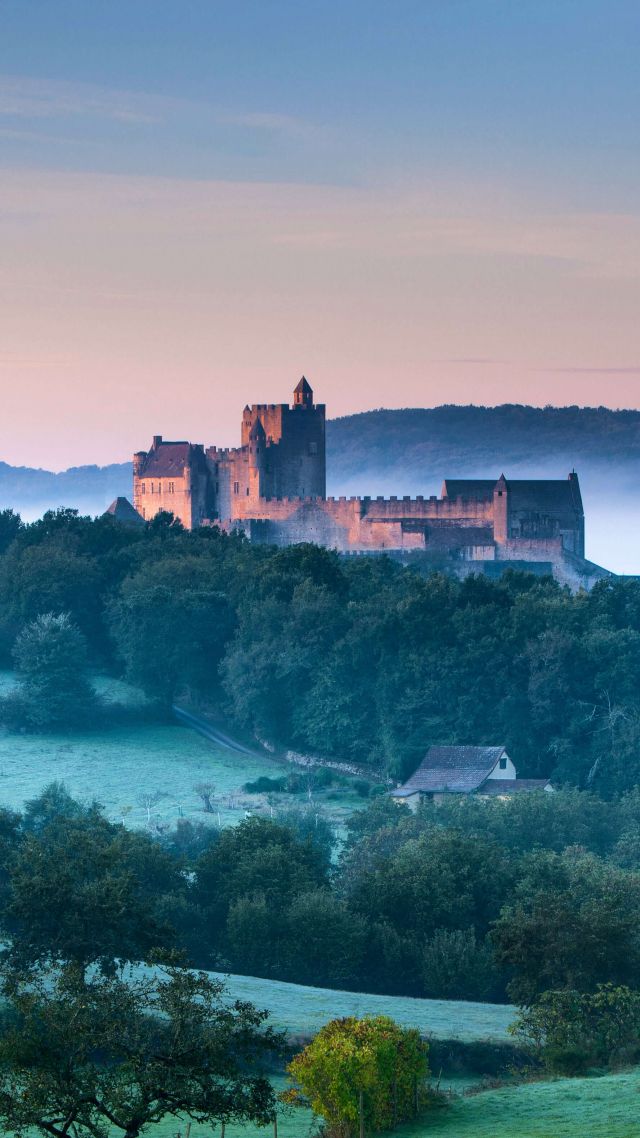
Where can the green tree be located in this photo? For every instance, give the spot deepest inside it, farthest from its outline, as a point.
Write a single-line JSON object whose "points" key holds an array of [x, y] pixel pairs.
{"points": [[363, 1075], [170, 625], [82, 890], [10, 526], [573, 923], [570, 1031], [325, 942], [119, 1055], [458, 967], [51, 659]]}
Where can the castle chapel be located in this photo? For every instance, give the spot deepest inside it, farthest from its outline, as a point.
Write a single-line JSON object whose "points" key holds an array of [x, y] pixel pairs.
{"points": [[272, 488]]}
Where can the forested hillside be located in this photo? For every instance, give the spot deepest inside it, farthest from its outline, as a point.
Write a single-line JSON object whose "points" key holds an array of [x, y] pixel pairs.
{"points": [[412, 450]]}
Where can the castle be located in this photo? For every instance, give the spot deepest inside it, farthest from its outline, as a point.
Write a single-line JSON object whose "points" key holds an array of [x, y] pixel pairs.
{"points": [[272, 488]]}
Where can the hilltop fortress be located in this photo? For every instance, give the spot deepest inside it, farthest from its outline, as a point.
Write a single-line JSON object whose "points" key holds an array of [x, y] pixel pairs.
{"points": [[273, 489]]}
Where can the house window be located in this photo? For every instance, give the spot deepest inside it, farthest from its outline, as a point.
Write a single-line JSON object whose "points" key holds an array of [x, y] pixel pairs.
{"points": [[503, 764], [171, 487], [236, 487], [152, 487], [159, 487], [247, 491], [143, 488]]}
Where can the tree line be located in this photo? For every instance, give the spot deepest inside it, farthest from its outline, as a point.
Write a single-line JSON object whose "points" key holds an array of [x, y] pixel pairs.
{"points": [[471, 900], [351, 658]]}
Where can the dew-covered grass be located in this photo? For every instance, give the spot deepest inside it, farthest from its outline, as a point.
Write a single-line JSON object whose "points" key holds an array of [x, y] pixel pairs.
{"points": [[147, 773], [605, 1107], [303, 1011]]}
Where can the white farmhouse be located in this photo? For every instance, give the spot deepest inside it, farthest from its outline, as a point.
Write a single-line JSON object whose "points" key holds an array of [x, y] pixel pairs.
{"points": [[465, 770]]}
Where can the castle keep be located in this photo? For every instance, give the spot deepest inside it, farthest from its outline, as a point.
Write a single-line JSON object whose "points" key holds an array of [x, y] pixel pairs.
{"points": [[272, 488]]}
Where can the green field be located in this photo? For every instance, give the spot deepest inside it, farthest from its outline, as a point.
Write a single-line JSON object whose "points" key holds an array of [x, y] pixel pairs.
{"points": [[605, 1107], [124, 766], [303, 1011]]}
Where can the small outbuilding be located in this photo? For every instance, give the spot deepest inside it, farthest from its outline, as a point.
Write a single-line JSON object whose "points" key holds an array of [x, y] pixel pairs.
{"points": [[122, 511], [465, 770]]}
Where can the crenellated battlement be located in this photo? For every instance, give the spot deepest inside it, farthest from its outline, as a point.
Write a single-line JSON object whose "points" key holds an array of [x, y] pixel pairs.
{"points": [[272, 487]]}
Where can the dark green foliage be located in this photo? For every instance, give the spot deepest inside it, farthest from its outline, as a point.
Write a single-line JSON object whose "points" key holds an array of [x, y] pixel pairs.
{"points": [[244, 886], [93, 1057], [10, 525], [457, 967], [170, 627], [266, 785], [356, 659], [82, 890], [55, 693], [573, 922], [571, 1031]]}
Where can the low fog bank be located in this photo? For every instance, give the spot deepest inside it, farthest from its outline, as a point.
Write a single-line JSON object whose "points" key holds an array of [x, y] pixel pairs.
{"points": [[610, 495]]}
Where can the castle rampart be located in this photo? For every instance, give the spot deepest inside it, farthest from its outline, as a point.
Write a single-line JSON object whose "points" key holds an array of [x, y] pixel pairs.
{"points": [[272, 488]]}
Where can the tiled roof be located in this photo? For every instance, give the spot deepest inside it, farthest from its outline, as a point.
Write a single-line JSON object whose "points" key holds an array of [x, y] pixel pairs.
{"points": [[458, 770], [166, 459]]}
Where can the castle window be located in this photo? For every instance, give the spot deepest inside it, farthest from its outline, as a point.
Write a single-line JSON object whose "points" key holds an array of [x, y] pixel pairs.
{"points": [[143, 488], [236, 487], [152, 487], [313, 448], [159, 487], [172, 487]]}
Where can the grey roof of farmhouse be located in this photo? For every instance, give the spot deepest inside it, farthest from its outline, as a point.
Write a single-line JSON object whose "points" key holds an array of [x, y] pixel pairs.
{"points": [[458, 770]]}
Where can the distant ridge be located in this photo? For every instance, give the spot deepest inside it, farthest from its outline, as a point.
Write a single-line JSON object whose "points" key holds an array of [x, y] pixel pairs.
{"points": [[400, 451], [414, 449]]}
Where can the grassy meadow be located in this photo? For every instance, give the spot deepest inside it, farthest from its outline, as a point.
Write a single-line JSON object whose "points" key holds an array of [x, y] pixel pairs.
{"points": [[125, 767], [605, 1107], [302, 1011]]}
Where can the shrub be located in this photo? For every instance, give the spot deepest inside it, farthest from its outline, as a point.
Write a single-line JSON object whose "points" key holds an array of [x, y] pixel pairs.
{"points": [[266, 785], [362, 787], [571, 1031], [363, 1074]]}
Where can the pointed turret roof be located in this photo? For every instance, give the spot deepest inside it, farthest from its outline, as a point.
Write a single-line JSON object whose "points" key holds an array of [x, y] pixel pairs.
{"points": [[303, 387], [122, 511]]}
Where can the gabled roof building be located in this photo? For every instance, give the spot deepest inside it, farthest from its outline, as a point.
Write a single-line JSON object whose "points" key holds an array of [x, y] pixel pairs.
{"points": [[464, 770]]}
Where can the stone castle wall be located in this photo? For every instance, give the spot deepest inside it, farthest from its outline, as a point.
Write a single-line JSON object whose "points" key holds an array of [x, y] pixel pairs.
{"points": [[272, 488]]}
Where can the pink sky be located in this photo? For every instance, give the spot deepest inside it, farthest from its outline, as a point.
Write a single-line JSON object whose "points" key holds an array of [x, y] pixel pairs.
{"points": [[137, 306]]}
